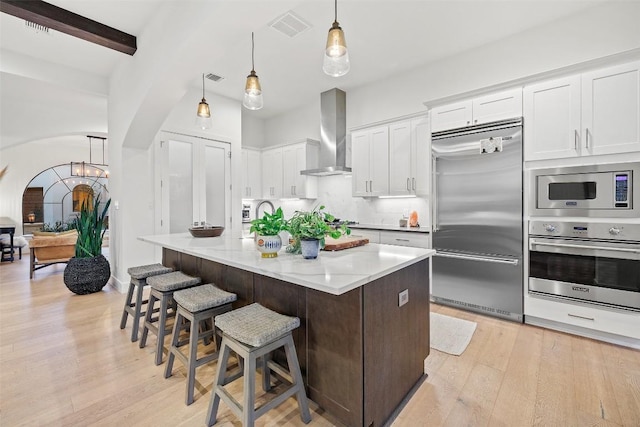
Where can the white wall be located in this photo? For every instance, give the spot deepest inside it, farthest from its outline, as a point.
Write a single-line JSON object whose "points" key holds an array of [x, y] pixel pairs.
{"points": [[253, 131]]}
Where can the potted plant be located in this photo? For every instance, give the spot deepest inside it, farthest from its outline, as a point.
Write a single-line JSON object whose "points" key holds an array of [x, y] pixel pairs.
{"points": [[88, 271], [267, 232], [308, 230]]}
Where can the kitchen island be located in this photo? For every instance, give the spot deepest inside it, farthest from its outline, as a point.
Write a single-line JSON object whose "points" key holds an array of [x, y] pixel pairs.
{"points": [[361, 344]]}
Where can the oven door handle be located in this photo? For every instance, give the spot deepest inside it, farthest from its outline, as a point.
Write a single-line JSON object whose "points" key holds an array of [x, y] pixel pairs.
{"points": [[482, 258], [588, 247]]}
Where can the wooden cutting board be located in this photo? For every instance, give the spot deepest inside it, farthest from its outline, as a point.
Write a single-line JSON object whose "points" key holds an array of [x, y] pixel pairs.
{"points": [[343, 242]]}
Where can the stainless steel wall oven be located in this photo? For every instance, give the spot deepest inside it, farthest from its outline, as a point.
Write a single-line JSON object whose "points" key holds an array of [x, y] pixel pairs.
{"points": [[594, 262]]}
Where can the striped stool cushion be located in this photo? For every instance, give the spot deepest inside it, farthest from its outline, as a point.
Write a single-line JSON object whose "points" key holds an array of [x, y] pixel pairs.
{"points": [[144, 271], [255, 325], [172, 281], [203, 297]]}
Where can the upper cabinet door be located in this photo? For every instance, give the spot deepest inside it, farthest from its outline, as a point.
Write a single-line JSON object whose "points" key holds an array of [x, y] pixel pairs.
{"points": [[421, 156], [272, 174], [451, 116], [497, 106], [611, 109], [552, 119], [400, 162], [360, 146], [379, 162]]}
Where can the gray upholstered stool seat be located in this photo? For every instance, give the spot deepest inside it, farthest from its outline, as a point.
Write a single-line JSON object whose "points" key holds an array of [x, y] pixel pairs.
{"points": [[139, 276], [162, 288], [196, 306], [253, 332]]}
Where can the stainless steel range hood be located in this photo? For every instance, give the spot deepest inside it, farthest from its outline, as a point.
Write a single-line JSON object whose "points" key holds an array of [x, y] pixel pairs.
{"points": [[333, 135]]}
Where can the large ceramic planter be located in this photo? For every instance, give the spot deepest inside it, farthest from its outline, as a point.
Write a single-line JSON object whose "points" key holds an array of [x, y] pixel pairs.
{"points": [[268, 246], [310, 248], [87, 275]]}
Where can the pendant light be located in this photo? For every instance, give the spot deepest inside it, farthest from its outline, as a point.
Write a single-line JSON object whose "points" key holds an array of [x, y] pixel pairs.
{"points": [[203, 118], [252, 89], [336, 55]]}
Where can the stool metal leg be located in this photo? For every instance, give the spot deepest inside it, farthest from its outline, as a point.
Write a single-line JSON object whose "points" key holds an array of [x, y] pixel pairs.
{"points": [[191, 369], [147, 321], [162, 326], [138, 313], [175, 338], [294, 369], [127, 304], [220, 380]]}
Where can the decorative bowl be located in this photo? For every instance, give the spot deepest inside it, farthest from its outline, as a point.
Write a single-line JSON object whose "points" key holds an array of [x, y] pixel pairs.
{"points": [[213, 231]]}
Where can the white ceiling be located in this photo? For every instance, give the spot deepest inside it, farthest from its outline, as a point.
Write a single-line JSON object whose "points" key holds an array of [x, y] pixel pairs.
{"points": [[384, 38]]}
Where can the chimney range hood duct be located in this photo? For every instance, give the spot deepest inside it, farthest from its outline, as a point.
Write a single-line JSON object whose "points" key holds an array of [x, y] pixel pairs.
{"points": [[333, 135]]}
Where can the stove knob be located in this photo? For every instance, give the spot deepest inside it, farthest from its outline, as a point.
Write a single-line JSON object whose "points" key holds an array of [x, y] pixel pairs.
{"points": [[614, 231], [550, 228]]}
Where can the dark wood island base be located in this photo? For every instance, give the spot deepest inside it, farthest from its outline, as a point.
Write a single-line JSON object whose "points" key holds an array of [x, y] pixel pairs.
{"points": [[360, 352]]}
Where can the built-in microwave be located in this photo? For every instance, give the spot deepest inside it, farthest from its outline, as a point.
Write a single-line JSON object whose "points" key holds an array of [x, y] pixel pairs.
{"points": [[590, 191]]}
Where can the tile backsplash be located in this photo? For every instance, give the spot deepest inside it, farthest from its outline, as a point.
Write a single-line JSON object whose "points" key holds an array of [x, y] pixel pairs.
{"points": [[334, 192]]}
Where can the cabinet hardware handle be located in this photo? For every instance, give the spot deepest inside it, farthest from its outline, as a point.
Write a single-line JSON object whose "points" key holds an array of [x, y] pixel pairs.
{"points": [[581, 317], [408, 185], [475, 121], [295, 192], [575, 139], [587, 136], [371, 186], [403, 240], [468, 122], [413, 183]]}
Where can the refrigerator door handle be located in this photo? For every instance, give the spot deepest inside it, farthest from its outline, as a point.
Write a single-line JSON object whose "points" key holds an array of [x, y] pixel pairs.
{"points": [[481, 258], [434, 195]]}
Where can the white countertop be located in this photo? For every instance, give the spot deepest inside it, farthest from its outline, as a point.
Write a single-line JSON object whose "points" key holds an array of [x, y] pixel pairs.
{"points": [[332, 272]]}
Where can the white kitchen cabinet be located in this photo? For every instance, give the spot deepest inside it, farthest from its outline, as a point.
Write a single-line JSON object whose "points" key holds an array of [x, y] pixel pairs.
{"points": [[298, 157], [370, 162], [552, 119], [484, 109], [409, 154], [618, 322], [406, 238], [372, 235], [251, 174], [582, 115], [611, 109], [272, 174]]}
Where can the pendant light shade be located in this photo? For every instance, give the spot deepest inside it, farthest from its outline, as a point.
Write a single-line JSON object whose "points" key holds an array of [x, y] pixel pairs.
{"points": [[203, 117], [252, 89], [336, 55]]}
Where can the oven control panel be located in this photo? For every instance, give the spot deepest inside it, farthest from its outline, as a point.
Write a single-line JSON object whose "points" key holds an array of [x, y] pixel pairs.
{"points": [[585, 230]]}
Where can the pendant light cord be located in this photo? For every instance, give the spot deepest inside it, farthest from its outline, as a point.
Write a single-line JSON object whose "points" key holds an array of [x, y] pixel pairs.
{"points": [[336, 11], [202, 85], [252, 49]]}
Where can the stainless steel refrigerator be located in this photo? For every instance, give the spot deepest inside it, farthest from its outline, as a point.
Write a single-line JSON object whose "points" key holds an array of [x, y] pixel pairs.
{"points": [[477, 219]]}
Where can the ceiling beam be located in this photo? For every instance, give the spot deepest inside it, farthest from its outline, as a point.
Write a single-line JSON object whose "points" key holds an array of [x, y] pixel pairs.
{"points": [[70, 23]]}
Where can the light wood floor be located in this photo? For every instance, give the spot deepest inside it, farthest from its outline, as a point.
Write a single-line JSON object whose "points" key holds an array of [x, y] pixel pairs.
{"points": [[64, 361]]}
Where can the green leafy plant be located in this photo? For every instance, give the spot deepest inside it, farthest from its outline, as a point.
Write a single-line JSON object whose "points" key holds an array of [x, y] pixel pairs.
{"points": [[91, 228], [269, 224], [314, 224]]}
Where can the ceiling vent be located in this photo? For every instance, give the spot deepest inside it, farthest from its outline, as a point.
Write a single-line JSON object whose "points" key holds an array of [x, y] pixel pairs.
{"points": [[37, 28], [214, 77], [290, 24]]}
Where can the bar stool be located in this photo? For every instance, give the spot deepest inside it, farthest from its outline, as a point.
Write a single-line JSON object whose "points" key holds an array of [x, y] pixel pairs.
{"points": [[195, 306], [139, 276], [162, 289], [252, 332]]}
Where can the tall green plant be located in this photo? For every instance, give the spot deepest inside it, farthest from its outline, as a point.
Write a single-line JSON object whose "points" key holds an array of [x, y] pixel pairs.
{"points": [[91, 229]]}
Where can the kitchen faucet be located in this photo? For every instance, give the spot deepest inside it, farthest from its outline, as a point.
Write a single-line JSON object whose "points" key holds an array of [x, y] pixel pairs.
{"points": [[262, 203]]}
